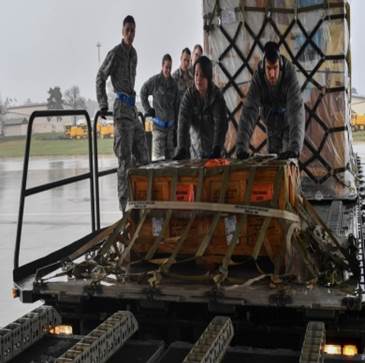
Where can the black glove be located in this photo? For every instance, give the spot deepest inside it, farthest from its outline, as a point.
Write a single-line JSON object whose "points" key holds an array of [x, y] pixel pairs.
{"points": [[182, 154], [103, 112], [242, 154], [151, 113], [288, 155], [215, 153]]}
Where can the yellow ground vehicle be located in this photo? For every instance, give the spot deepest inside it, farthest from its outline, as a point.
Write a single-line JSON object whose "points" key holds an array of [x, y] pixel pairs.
{"points": [[76, 132], [106, 130], [358, 122]]}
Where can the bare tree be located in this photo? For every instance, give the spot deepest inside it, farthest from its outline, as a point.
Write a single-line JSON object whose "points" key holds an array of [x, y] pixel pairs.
{"points": [[2, 112], [54, 100], [2, 106], [74, 100]]}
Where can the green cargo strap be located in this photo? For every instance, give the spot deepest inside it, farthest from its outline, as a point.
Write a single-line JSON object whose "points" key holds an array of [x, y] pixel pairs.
{"points": [[217, 207], [241, 225], [94, 241], [261, 237], [184, 235], [289, 232], [145, 213], [274, 203], [113, 236], [205, 242], [244, 282], [151, 252]]}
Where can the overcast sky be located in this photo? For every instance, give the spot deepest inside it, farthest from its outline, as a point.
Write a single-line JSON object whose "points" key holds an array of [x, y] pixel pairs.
{"points": [[47, 43]]}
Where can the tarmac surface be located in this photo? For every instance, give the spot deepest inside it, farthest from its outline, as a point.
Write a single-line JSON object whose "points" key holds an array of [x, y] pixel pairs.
{"points": [[52, 219]]}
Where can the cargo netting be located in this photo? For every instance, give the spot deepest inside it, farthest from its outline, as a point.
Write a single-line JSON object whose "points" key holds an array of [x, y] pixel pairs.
{"points": [[238, 223], [314, 36]]}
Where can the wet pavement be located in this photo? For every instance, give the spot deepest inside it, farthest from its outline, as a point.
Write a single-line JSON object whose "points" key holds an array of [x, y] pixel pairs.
{"points": [[52, 219]]}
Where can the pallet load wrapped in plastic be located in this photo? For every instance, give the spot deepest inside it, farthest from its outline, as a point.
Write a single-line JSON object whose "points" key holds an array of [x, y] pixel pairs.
{"points": [[314, 35]]}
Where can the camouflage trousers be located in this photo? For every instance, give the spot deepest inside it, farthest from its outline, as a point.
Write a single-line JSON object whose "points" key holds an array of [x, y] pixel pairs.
{"points": [[130, 146], [162, 143]]}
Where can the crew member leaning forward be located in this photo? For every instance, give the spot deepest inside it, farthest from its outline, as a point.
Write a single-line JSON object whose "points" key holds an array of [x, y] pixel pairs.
{"points": [[202, 124], [129, 137], [276, 95], [165, 109]]}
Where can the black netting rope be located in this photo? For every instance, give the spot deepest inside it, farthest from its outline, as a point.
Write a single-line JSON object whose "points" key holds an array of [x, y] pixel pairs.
{"points": [[309, 76]]}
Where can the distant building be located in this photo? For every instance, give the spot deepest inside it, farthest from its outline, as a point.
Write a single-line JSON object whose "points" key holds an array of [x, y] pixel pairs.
{"points": [[358, 104], [15, 121]]}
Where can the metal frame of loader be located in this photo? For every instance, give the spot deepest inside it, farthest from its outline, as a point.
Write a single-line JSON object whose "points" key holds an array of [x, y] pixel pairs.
{"points": [[262, 319]]}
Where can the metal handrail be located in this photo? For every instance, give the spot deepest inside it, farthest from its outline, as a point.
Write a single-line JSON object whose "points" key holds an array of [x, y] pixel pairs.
{"points": [[26, 192], [96, 167]]}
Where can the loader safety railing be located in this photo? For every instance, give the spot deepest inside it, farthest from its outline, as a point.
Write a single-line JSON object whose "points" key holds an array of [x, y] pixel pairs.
{"points": [[25, 192], [93, 174], [98, 173]]}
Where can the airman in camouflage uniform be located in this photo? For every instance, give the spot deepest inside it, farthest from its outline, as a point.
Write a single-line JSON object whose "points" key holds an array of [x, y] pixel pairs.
{"points": [[165, 109], [182, 76], [197, 53], [202, 117], [275, 94], [129, 137]]}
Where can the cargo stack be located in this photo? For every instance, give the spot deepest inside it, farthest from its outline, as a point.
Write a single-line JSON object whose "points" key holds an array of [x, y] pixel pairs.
{"points": [[314, 35], [224, 220], [201, 210]]}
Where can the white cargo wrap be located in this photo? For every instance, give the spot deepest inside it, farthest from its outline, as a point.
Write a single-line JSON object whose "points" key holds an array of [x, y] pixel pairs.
{"points": [[314, 35]]}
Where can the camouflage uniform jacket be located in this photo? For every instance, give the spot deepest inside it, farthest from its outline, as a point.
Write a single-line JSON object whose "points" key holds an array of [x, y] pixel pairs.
{"points": [[202, 122], [165, 97], [120, 64], [280, 107], [183, 79]]}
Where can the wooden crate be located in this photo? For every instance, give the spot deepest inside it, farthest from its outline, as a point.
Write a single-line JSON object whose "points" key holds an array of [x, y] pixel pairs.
{"points": [[186, 190]]}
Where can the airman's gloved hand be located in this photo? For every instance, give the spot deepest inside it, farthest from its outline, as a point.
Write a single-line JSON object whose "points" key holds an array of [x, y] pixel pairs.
{"points": [[288, 155], [151, 113], [242, 154], [103, 112], [215, 153], [182, 154]]}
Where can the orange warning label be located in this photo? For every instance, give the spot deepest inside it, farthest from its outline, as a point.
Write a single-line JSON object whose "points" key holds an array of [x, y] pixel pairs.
{"points": [[212, 163], [185, 193], [262, 192]]}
